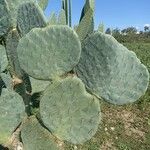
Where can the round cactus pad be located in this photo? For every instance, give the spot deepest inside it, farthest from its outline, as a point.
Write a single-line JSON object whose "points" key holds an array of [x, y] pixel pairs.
{"points": [[111, 71], [35, 137], [46, 53], [69, 112], [12, 111]]}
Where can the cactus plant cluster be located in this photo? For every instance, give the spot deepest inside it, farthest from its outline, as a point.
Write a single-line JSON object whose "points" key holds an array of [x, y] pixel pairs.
{"points": [[52, 77]]}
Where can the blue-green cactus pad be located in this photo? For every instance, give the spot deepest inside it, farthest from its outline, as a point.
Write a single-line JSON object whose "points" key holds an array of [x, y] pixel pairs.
{"points": [[86, 25], [62, 17], [46, 53], [35, 137], [38, 85], [7, 80], [43, 3], [53, 19], [111, 71], [69, 112], [13, 6], [30, 16], [12, 111], [5, 21], [3, 59]]}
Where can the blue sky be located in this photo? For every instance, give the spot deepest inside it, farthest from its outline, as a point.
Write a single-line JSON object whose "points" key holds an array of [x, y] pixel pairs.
{"points": [[113, 13]]}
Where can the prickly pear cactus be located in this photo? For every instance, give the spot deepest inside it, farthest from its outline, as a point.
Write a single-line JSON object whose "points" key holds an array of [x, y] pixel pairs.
{"points": [[86, 25], [43, 3], [38, 85], [53, 19], [13, 8], [111, 71], [9, 12], [37, 54], [7, 80], [35, 137], [44, 66], [69, 112], [62, 18], [5, 22], [26, 21], [12, 111], [3, 59]]}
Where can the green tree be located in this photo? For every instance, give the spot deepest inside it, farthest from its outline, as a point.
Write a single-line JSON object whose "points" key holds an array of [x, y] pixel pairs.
{"points": [[116, 31], [129, 30], [146, 28]]}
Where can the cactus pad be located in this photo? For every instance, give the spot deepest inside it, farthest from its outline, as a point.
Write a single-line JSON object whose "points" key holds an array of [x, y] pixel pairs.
{"points": [[13, 7], [46, 53], [7, 80], [11, 50], [12, 111], [69, 112], [3, 59], [53, 19], [5, 21], [43, 3], [30, 16], [86, 25], [62, 17], [35, 137], [38, 85], [111, 71]]}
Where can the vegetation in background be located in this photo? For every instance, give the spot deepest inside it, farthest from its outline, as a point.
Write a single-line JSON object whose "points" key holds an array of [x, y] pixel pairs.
{"points": [[130, 34]]}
